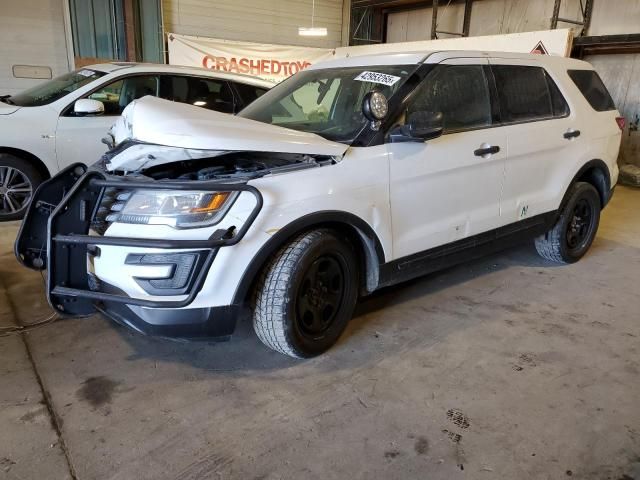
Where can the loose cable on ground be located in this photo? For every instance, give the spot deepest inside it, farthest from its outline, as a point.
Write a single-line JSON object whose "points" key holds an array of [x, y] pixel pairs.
{"points": [[8, 331]]}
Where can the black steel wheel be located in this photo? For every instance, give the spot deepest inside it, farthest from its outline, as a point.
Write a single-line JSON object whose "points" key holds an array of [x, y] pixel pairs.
{"points": [[306, 295], [575, 229], [320, 296], [580, 227]]}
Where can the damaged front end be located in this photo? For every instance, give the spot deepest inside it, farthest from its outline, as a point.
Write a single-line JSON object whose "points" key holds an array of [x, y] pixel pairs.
{"points": [[134, 236], [71, 242]]}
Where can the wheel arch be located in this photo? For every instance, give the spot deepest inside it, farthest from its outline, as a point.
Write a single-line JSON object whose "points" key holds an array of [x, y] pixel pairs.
{"points": [[596, 172], [368, 246], [39, 164]]}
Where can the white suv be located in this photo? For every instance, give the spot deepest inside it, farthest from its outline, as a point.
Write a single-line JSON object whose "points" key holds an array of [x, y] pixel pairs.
{"points": [[350, 176], [62, 121]]}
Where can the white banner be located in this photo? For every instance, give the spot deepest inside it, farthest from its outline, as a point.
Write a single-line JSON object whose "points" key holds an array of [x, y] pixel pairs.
{"points": [[277, 62], [271, 62]]}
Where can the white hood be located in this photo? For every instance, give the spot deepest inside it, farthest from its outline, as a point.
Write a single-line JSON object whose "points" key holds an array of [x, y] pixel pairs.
{"points": [[163, 122], [6, 109]]}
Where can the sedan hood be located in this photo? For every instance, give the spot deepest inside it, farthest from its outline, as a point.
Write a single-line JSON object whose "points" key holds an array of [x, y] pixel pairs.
{"points": [[152, 120]]}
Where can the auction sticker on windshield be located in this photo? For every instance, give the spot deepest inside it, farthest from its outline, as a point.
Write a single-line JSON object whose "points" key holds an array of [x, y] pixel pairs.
{"points": [[375, 77]]}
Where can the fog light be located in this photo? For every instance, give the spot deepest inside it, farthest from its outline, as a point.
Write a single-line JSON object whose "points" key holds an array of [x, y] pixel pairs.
{"points": [[179, 277]]}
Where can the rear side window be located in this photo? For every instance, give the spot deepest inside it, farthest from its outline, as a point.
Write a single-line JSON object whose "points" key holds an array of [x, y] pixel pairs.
{"points": [[558, 103], [205, 92], [460, 92], [527, 94], [591, 86]]}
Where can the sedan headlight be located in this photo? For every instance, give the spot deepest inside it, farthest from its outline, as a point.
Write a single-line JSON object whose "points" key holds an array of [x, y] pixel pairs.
{"points": [[176, 208]]}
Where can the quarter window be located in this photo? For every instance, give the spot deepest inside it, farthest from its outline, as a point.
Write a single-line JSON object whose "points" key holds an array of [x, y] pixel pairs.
{"points": [[591, 86], [460, 92]]}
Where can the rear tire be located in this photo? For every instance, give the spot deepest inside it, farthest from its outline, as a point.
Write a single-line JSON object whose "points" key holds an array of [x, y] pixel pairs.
{"points": [[18, 181], [306, 295], [575, 230]]}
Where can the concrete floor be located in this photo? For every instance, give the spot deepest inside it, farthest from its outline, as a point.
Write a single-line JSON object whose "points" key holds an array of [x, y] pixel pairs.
{"points": [[505, 368]]}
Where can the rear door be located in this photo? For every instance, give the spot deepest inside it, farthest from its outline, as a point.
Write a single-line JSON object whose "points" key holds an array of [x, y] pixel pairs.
{"points": [[448, 188], [542, 136]]}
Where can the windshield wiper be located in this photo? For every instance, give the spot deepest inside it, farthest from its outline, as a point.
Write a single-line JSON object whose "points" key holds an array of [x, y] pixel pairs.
{"points": [[6, 99]]}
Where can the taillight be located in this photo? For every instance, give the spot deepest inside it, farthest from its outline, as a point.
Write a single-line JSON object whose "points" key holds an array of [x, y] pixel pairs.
{"points": [[621, 121]]}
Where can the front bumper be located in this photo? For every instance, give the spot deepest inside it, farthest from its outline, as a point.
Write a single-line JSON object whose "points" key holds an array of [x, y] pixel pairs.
{"points": [[185, 323], [57, 234]]}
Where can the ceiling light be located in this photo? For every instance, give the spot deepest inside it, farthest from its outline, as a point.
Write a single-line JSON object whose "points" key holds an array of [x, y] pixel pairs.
{"points": [[312, 32]]}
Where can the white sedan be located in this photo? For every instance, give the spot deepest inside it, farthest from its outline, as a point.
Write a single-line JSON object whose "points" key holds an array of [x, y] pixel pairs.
{"points": [[63, 121]]}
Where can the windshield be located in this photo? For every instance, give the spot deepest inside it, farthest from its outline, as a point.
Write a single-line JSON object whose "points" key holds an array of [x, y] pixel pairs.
{"points": [[327, 102], [50, 91]]}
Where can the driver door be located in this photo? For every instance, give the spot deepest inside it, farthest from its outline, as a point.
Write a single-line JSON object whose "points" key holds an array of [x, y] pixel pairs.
{"points": [[79, 139], [448, 188]]}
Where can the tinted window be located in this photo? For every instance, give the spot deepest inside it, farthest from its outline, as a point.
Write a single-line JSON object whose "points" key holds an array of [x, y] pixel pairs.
{"points": [[203, 92], [559, 104], [523, 92], [117, 95], [460, 92], [249, 93], [591, 86]]}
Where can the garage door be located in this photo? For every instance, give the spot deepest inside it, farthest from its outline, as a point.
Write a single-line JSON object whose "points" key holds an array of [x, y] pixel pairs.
{"points": [[31, 35]]}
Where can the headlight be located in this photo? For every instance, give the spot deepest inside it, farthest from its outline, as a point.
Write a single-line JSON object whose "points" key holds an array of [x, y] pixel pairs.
{"points": [[176, 208]]}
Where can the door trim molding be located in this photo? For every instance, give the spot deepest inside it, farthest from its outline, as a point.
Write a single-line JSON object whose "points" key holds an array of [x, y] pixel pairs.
{"points": [[460, 251]]}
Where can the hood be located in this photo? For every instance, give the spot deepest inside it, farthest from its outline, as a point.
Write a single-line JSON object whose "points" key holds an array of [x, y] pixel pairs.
{"points": [[152, 120], [6, 109]]}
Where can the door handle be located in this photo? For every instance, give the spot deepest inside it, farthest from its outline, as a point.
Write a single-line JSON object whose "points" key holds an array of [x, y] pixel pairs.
{"points": [[481, 152], [571, 134]]}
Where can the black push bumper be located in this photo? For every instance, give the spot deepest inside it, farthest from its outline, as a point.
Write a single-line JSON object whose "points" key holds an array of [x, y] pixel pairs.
{"points": [[57, 234]]}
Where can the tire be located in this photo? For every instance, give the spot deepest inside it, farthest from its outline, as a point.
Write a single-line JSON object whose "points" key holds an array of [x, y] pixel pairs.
{"points": [[18, 181], [575, 230], [305, 296]]}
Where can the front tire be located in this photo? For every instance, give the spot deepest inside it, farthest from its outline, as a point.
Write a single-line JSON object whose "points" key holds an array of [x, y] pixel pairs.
{"points": [[306, 295], [575, 230], [18, 181]]}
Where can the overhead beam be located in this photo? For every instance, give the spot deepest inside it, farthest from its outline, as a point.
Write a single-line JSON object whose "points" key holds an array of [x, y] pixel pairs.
{"points": [[605, 44]]}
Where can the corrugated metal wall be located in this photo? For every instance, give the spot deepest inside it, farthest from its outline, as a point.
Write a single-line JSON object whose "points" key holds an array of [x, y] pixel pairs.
{"points": [[621, 74], [492, 17], [32, 32], [268, 21], [610, 17]]}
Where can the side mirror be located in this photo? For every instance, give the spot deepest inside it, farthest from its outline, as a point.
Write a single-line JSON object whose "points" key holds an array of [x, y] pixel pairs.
{"points": [[86, 107], [420, 127]]}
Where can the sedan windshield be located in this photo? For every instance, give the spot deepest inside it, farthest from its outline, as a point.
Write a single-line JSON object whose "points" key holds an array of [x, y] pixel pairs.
{"points": [[50, 91], [327, 102]]}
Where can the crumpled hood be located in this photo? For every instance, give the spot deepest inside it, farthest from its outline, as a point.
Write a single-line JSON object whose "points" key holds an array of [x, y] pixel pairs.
{"points": [[6, 109], [152, 120]]}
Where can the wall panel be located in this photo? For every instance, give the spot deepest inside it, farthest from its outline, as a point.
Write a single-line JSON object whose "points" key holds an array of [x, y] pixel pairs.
{"points": [[268, 21], [32, 32]]}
